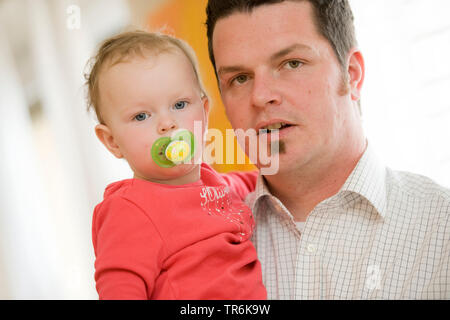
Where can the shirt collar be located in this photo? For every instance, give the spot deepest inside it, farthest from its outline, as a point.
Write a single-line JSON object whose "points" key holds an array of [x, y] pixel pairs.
{"points": [[368, 179]]}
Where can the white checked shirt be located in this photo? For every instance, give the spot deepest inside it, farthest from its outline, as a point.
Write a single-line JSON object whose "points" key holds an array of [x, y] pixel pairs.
{"points": [[384, 235]]}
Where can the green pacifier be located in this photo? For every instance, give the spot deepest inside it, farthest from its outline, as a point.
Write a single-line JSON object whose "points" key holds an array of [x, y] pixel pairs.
{"points": [[169, 152]]}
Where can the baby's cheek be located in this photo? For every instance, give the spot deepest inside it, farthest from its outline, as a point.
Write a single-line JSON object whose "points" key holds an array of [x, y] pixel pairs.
{"points": [[138, 151], [195, 118]]}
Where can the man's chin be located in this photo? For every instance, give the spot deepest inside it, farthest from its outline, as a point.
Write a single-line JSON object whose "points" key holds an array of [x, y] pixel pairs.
{"points": [[269, 161]]}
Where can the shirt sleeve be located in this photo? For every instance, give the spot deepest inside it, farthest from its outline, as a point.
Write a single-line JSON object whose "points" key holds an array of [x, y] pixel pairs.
{"points": [[241, 182], [128, 249]]}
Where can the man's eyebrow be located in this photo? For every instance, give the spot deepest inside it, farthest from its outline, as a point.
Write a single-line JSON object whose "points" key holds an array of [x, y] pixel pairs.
{"points": [[230, 69], [286, 51], [277, 55]]}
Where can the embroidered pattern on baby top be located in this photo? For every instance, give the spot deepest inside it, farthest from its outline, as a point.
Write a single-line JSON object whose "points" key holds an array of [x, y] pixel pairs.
{"points": [[216, 201]]}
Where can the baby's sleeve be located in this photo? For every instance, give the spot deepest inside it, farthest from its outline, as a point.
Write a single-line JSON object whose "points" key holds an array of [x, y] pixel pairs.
{"points": [[241, 182], [128, 249]]}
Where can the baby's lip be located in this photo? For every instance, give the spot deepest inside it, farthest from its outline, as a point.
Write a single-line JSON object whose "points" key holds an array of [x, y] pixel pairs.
{"points": [[177, 131]]}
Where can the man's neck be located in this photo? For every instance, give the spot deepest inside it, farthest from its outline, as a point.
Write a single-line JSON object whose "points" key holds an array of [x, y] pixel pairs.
{"points": [[302, 190]]}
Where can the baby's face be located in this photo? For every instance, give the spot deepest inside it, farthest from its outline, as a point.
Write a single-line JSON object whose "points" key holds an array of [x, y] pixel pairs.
{"points": [[145, 99]]}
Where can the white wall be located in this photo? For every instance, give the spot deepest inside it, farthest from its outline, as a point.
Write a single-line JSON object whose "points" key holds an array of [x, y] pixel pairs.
{"points": [[406, 45], [53, 169]]}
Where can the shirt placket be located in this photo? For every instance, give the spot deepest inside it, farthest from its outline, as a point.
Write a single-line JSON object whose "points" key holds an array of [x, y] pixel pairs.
{"points": [[306, 256], [309, 268], [306, 284]]}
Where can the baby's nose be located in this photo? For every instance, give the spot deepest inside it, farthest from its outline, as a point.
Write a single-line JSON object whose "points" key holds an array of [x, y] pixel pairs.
{"points": [[166, 125]]}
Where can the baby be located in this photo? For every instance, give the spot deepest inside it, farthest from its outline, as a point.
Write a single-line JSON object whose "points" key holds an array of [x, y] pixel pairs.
{"points": [[177, 229]]}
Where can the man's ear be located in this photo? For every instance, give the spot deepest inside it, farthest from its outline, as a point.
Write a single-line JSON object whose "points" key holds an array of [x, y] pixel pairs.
{"points": [[356, 73], [104, 134]]}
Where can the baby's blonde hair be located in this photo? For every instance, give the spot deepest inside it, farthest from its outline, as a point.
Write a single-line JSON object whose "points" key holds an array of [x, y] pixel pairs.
{"points": [[127, 45]]}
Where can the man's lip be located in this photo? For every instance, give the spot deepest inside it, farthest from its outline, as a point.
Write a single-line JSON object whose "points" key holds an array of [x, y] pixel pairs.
{"points": [[280, 134], [264, 124]]}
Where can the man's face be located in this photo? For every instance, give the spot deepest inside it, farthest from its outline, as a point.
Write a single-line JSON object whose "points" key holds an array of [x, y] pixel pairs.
{"points": [[274, 67]]}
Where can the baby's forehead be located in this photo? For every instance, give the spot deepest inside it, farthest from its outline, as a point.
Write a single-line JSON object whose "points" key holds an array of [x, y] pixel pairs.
{"points": [[149, 66], [146, 60], [144, 54], [147, 70]]}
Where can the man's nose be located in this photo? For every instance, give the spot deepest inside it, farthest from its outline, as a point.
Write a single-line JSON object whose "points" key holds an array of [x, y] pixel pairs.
{"points": [[264, 92], [166, 124]]}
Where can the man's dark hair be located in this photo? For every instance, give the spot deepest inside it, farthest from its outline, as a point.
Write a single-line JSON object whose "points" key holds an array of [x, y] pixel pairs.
{"points": [[333, 19]]}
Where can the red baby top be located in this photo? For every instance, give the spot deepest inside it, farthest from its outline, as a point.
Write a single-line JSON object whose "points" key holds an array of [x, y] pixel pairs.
{"points": [[155, 241]]}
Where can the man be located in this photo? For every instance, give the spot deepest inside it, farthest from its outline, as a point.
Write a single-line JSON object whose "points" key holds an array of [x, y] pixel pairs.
{"points": [[333, 222]]}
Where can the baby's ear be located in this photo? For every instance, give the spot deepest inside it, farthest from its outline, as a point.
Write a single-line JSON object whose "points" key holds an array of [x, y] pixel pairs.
{"points": [[205, 102], [104, 134]]}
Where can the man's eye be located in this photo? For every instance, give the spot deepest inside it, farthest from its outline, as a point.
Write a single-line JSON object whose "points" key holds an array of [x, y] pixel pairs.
{"points": [[294, 64], [141, 116], [180, 105], [240, 79]]}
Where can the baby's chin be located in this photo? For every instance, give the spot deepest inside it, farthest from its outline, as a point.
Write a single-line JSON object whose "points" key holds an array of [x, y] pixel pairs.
{"points": [[177, 175]]}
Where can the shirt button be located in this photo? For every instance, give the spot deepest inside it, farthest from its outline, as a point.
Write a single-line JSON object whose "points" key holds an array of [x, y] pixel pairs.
{"points": [[311, 248]]}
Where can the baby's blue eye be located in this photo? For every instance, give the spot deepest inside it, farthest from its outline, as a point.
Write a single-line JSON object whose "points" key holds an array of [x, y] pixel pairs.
{"points": [[180, 105], [141, 116]]}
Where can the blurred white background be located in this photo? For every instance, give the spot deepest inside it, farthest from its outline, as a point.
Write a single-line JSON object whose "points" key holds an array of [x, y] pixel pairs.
{"points": [[406, 45], [53, 170]]}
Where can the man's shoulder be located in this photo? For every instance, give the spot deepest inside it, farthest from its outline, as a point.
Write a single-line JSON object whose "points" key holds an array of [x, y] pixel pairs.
{"points": [[418, 191], [250, 199], [417, 185]]}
